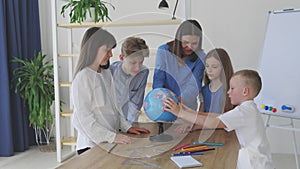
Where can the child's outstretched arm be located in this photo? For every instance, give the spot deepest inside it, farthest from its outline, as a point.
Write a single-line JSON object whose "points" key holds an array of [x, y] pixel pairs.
{"points": [[180, 110], [207, 120]]}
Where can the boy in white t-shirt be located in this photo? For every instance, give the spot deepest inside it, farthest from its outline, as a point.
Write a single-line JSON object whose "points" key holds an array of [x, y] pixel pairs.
{"points": [[245, 119]]}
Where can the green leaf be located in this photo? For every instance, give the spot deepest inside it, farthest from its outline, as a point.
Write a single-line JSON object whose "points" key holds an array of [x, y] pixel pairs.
{"points": [[35, 84], [79, 9]]}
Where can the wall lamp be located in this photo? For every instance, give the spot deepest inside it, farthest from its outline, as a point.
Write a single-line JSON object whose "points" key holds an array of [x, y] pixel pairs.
{"points": [[164, 4]]}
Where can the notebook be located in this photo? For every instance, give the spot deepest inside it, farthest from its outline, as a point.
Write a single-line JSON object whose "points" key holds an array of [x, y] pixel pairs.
{"points": [[185, 161]]}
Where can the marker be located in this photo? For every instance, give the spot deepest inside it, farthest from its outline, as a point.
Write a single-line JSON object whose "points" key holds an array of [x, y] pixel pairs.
{"points": [[180, 147], [290, 9], [208, 143], [287, 108]]}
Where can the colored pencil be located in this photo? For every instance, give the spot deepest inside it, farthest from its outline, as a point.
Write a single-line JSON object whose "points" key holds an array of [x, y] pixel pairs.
{"points": [[203, 150], [208, 143], [191, 146], [194, 148], [181, 146]]}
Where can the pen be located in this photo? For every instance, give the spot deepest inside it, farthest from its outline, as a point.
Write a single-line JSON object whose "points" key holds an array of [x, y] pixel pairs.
{"points": [[182, 146], [208, 143], [190, 154], [112, 148]]}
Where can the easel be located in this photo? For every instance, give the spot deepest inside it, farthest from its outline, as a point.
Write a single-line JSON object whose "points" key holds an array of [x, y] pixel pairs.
{"points": [[289, 127], [281, 103]]}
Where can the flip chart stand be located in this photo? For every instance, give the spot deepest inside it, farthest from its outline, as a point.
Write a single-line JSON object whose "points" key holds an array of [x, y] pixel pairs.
{"points": [[289, 127]]}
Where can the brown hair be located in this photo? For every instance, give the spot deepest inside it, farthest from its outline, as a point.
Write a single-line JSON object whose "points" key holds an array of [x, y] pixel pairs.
{"points": [[188, 27], [251, 78], [135, 46], [227, 71], [92, 40]]}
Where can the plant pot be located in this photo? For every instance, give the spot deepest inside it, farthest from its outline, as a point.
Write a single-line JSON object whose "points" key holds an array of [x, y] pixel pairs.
{"points": [[51, 147], [79, 11]]}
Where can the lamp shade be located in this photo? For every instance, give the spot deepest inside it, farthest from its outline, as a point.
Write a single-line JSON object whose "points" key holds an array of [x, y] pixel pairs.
{"points": [[163, 4]]}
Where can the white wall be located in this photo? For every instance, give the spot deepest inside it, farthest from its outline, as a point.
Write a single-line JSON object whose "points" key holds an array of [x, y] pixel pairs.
{"points": [[238, 26]]}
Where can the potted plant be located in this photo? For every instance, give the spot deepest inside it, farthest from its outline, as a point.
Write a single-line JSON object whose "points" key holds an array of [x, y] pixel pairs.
{"points": [[35, 84], [80, 8]]}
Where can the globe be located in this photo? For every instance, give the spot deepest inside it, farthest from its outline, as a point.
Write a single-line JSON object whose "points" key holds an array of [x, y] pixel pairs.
{"points": [[153, 104]]}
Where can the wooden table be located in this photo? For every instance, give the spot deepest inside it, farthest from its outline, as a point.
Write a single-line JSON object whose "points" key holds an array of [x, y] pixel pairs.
{"points": [[146, 154]]}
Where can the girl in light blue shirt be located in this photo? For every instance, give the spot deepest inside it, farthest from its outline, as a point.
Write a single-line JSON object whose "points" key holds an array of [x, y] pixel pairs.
{"points": [[218, 71]]}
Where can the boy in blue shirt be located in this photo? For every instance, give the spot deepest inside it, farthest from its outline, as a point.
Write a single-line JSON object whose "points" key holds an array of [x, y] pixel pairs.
{"points": [[130, 77]]}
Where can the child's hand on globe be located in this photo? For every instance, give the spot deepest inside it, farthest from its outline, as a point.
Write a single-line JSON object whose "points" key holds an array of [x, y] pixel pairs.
{"points": [[171, 106], [154, 104]]}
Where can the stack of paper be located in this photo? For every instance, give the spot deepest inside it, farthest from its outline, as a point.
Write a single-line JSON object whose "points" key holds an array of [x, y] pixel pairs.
{"points": [[185, 161]]}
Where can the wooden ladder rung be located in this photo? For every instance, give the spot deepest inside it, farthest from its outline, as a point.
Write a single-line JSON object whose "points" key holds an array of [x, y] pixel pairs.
{"points": [[66, 113], [69, 141]]}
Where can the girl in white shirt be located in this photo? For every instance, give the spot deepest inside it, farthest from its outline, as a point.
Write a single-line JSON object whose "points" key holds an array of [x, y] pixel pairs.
{"points": [[97, 116]]}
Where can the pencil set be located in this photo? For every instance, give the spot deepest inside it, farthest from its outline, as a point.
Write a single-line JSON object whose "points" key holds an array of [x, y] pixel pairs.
{"points": [[197, 148]]}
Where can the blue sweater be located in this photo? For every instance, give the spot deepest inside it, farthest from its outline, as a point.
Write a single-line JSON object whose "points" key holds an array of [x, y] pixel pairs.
{"points": [[185, 80], [129, 90]]}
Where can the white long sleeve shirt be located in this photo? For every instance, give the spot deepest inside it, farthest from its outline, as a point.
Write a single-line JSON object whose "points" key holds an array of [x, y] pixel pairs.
{"points": [[96, 115]]}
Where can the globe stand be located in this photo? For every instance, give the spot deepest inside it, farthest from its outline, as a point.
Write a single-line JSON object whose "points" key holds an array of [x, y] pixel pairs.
{"points": [[161, 137]]}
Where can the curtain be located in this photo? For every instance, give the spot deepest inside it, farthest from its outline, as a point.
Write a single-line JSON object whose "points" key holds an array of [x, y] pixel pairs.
{"points": [[19, 37]]}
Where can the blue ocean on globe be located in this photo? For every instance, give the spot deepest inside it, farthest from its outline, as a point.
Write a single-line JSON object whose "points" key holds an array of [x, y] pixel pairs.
{"points": [[153, 104]]}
